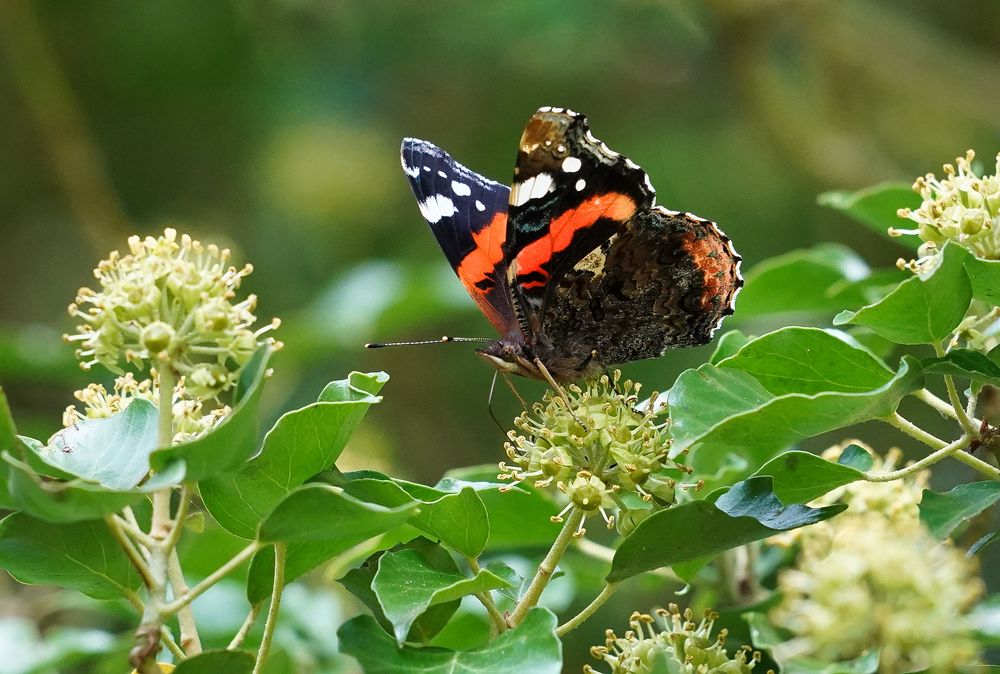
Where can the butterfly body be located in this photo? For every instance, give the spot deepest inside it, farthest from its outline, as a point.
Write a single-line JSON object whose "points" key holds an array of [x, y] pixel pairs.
{"points": [[575, 265]]}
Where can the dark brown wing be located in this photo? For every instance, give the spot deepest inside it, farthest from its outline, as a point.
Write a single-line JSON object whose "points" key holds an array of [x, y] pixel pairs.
{"points": [[666, 280]]}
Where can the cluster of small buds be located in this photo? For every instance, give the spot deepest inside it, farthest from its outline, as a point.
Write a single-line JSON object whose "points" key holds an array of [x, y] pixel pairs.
{"points": [[170, 302], [191, 418], [682, 646], [596, 445], [879, 583], [961, 207]]}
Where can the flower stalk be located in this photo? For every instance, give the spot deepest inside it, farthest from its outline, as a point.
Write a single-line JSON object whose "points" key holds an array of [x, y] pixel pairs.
{"points": [[548, 567]]}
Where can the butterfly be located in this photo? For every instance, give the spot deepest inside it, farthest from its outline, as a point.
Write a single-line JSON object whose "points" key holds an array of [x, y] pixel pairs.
{"points": [[575, 265]]}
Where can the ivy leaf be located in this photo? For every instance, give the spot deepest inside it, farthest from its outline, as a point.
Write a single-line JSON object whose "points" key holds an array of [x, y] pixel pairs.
{"points": [[532, 647], [814, 280], [979, 545], [748, 512], [875, 207], [58, 501], [721, 409], [920, 311], [965, 363], [81, 556], [458, 518], [8, 443], [113, 452], [943, 513], [316, 512], [810, 361], [857, 457], [358, 582], [728, 345], [213, 662], [232, 441], [406, 587], [985, 278], [301, 444], [800, 477]]}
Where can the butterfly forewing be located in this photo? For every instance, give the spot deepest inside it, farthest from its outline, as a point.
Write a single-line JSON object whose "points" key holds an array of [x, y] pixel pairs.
{"points": [[468, 215]]}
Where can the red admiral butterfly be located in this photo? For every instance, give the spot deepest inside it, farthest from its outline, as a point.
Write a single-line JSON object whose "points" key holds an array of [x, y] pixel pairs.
{"points": [[574, 264]]}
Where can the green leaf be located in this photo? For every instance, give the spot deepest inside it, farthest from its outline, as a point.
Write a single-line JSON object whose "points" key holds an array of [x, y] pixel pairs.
{"points": [[519, 517], [458, 519], [979, 545], [113, 452], [943, 513], [985, 278], [876, 206], [810, 361], [532, 647], [800, 477], [406, 587], [857, 457], [748, 512], [728, 345], [216, 662], [8, 443], [718, 410], [920, 311], [81, 556], [965, 363], [814, 280], [358, 582], [301, 444], [317, 512], [58, 500], [232, 441]]}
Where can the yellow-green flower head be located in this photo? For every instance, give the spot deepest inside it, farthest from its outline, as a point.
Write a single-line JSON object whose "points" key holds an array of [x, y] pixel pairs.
{"points": [[962, 207], [880, 583], [594, 443], [191, 418], [169, 303], [682, 646]]}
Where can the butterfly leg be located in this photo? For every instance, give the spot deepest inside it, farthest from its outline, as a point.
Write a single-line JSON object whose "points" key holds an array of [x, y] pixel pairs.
{"points": [[513, 389], [489, 404], [557, 388]]}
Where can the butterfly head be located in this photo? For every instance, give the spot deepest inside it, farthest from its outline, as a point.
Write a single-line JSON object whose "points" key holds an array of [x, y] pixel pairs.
{"points": [[511, 357]]}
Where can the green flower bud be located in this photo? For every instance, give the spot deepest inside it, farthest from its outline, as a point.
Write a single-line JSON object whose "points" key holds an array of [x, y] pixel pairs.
{"points": [[157, 336], [628, 520]]}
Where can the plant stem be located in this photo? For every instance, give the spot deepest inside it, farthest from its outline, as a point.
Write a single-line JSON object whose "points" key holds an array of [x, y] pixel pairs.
{"points": [[245, 627], [148, 635], [941, 406], [183, 600], [190, 641], [956, 402], [272, 612], [486, 599], [914, 431], [953, 449], [130, 550], [547, 567], [979, 465], [591, 609]]}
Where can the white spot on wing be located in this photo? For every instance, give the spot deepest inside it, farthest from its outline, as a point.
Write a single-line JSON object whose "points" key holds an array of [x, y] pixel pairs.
{"points": [[412, 171], [427, 168], [435, 207], [480, 206], [532, 188], [580, 184], [571, 164], [460, 189], [442, 174]]}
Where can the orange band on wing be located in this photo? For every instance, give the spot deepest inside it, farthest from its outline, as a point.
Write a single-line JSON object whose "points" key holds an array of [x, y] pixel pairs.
{"points": [[612, 205], [480, 264]]}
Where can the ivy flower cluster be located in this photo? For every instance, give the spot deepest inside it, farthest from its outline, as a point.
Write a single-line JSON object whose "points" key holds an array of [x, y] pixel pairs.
{"points": [[191, 418], [880, 583], [596, 445], [962, 207], [682, 646], [169, 301]]}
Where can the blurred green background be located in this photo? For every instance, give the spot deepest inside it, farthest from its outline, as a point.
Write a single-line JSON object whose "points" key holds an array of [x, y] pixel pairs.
{"points": [[273, 127]]}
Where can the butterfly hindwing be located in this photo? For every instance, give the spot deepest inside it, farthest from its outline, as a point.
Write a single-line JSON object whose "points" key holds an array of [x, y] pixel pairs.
{"points": [[665, 281], [468, 215], [570, 194]]}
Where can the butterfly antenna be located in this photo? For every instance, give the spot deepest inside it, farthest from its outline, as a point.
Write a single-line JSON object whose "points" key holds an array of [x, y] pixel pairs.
{"points": [[443, 340]]}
